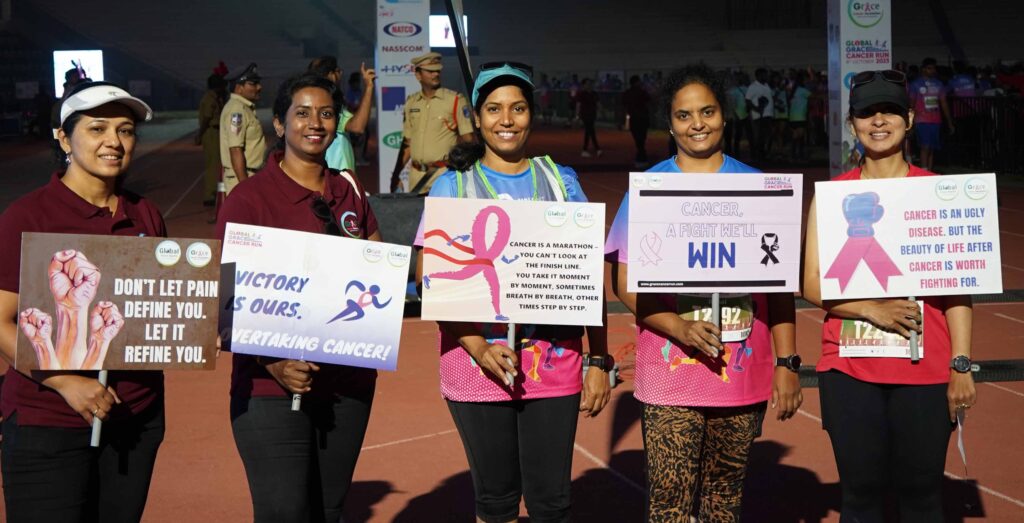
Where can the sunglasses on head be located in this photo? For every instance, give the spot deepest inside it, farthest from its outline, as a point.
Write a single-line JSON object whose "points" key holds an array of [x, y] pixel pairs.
{"points": [[888, 75], [528, 69], [323, 212]]}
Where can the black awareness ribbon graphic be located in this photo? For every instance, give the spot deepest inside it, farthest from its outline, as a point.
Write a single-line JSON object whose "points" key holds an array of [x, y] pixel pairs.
{"points": [[769, 251]]}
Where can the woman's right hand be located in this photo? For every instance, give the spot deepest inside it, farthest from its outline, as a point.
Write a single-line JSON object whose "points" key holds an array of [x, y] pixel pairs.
{"points": [[294, 375], [496, 359], [700, 335], [85, 395], [901, 316]]}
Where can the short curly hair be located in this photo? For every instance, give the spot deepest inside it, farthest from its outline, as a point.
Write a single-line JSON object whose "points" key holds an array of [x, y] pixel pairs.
{"points": [[691, 74]]}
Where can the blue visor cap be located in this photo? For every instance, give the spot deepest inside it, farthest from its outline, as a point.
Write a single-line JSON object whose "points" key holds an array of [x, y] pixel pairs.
{"points": [[485, 77]]}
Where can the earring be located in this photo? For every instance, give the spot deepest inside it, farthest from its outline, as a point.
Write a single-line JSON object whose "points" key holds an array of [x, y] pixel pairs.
{"points": [[67, 158], [670, 131]]}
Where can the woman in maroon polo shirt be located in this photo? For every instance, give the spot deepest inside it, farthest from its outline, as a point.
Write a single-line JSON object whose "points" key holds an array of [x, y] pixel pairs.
{"points": [[50, 473], [889, 418], [300, 464]]}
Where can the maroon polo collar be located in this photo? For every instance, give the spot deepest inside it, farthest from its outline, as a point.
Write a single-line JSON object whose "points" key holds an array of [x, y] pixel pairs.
{"points": [[68, 198], [291, 189]]}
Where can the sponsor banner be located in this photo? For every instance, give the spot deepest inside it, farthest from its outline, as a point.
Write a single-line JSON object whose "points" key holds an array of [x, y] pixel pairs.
{"points": [[119, 303], [402, 33], [305, 296], [703, 233], [859, 39], [503, 261], [921, 236]]}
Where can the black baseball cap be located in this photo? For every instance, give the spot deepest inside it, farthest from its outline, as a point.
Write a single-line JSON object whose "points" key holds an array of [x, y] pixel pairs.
{"points": [[249, 74], [879, 87]]}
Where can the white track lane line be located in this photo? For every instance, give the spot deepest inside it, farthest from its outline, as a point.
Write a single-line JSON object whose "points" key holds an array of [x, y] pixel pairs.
{"points": [[625, 479], [170, 209], [1011, 318], [1000, 387], [407, 440], [981, 487], [809, 313], [987, 490]]}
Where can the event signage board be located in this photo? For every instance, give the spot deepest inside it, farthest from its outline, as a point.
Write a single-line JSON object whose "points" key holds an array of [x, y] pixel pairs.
{"points": [[505, 261], [90, 302], [305, 296], [707, 233], [402, 34], [920, 236], [859, 39]]}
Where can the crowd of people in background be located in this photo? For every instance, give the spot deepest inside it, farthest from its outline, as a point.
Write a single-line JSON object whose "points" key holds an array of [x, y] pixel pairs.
{"points": [[793, 119]]}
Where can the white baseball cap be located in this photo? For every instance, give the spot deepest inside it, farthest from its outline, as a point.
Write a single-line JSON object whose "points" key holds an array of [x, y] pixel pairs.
{"points": [[90, 95]]}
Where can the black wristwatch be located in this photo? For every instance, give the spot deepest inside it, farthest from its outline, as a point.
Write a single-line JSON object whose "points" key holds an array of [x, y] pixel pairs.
{"points": [[791, 362], [605, 363], [961, 364]]}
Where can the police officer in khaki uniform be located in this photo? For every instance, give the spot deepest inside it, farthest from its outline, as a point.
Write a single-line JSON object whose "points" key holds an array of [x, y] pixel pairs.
{"points": [[243, 146], [209, 134], [435, 119]]}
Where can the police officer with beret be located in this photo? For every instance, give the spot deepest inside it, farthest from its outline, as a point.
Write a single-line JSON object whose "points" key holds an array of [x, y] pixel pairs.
{"points": [[435, 119], [243, 146]]}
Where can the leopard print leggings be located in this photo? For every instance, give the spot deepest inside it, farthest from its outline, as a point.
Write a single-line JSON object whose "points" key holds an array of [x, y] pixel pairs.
{"points": [[686, 446]]}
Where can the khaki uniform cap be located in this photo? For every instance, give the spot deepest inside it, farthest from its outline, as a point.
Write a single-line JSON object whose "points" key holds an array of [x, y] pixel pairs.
{"points": [[429, 62]]}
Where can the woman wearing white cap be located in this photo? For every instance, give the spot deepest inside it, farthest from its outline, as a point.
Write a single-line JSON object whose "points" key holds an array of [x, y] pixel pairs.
{"points": [[517, 428], [50, 473]]}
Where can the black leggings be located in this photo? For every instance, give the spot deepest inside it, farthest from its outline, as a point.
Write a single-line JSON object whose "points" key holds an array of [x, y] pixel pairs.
{"points": [[887, 438], [519, 449], [589, 134], [299, 464], [52, 475], [638, 128]]}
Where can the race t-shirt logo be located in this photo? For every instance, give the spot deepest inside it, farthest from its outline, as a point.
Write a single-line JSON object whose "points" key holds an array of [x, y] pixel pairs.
{"points": [[350, 224]]}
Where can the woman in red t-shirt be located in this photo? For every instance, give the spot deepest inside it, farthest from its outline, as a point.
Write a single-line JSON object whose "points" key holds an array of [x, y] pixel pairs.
{"points": [[889, 419], [50, 472]]}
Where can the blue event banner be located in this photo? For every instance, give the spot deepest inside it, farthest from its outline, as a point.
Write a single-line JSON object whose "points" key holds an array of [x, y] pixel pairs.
{"points": [[304, 296]]}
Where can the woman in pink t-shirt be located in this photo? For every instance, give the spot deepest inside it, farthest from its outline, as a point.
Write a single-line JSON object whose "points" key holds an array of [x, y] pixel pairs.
{"points": [[704, 389], [889, 418]]}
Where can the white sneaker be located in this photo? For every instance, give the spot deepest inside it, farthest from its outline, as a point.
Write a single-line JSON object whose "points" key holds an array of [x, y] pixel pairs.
{"points": [[585, 154]]}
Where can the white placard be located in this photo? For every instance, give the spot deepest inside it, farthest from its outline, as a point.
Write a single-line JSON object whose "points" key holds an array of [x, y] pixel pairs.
{"points": [[700, 233], [920, 236], [503, 261], [307, 296]]}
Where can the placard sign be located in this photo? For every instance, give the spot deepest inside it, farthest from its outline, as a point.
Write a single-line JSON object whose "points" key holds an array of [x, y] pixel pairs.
{"points": [[503, 261], [706, 233], [90, 302], [920, 236], [305, 296]]}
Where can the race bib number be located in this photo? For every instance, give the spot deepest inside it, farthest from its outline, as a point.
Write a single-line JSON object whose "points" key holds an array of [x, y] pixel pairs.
{"points": [[860, 339], [931, 103], [737, 314]]}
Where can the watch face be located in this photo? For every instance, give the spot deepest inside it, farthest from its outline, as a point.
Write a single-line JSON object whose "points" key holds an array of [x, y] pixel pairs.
{"points": [[794, 362], [961, 364]]}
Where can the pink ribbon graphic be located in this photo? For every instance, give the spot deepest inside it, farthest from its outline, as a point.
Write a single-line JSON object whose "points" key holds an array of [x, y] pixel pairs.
{"points": [[874, 256], [650, 246]]}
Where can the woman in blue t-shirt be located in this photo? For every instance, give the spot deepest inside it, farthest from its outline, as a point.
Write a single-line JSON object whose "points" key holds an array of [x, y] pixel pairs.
{"points": [[695, 433], [518, 430]]}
